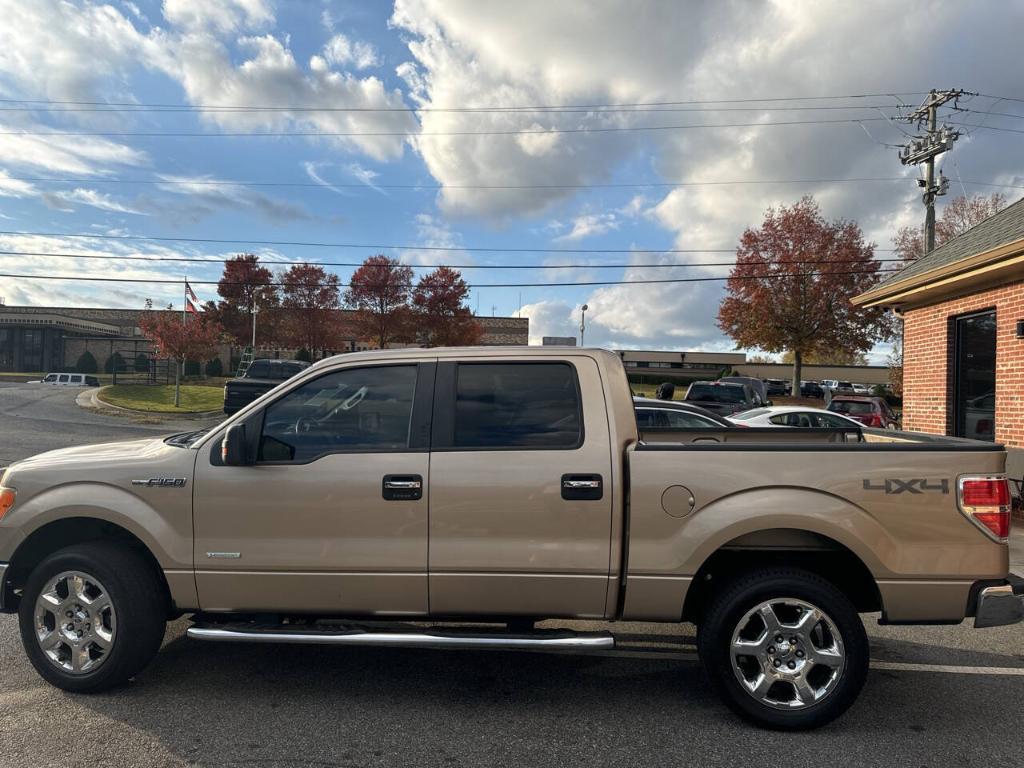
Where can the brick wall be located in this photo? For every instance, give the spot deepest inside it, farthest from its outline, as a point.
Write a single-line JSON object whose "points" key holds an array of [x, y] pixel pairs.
{"points": [[928, 361]]}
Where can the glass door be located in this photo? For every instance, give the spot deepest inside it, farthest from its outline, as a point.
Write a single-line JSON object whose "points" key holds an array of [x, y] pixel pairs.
{"points": [[975, 389]]}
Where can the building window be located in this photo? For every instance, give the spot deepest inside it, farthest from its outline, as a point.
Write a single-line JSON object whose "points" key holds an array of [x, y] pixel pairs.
{"points": [[32, 349], [974, 382]]}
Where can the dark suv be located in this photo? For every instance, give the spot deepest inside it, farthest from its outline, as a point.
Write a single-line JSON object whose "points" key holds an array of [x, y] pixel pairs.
{"points": [[723, 398]]}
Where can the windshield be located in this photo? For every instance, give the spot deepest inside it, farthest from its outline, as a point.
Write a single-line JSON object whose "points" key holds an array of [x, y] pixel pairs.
{"points": [[852, 407], [715, 393], [752, 414]]}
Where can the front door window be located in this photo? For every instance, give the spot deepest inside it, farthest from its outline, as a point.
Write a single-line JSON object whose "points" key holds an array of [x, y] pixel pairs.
{"points": [[975, 372]]}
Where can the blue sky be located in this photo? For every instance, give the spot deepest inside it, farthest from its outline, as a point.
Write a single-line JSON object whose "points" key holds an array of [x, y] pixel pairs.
{"points": [[402, 65]]}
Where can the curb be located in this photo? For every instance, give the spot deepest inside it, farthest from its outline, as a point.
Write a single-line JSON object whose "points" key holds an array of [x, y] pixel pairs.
{"points": [[90, 400]]}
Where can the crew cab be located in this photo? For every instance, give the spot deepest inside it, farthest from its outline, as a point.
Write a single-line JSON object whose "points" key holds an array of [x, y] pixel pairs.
{"points": [[430, 497], [261, 376]]}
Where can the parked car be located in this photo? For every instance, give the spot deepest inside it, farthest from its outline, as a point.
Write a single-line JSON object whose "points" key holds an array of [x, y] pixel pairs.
{"points": [[861, 389], [793, 416], [664, 414], [455, 487], [722, 397], [778, 387], [68, 380], [757, 386], [979, 417], [869, 411], [261, 377], [811, 389], [837, 386]]}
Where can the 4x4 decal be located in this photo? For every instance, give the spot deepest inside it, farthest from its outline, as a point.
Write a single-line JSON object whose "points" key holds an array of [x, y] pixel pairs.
{"points": [[894, 485]]}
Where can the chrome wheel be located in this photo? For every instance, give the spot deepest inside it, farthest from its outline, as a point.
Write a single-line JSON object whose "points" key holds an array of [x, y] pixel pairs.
{"points": [[787, 654], [75, 622]]}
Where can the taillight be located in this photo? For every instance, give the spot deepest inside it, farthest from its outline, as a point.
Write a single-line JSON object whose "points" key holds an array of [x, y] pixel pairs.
{"points": [[874, 420], [986, 501]]}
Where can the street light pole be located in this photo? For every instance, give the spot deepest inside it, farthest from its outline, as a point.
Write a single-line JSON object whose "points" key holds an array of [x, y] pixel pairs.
{"points": [[583, 322], [255, 310]]}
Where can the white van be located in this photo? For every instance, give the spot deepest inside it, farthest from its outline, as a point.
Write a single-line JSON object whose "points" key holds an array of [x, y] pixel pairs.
{"points": [[69, 380]]}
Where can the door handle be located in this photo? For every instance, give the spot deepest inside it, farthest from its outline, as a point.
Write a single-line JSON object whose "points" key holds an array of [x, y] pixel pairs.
{"points": [[402, 487], [582, 487]]}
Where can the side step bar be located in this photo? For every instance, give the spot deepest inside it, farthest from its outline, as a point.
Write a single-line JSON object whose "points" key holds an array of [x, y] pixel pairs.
{"points": [[555, 640]]}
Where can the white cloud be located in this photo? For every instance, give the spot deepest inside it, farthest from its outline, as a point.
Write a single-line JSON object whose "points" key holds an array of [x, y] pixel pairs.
{"points": [[95, 199], [218, 15], [340, 51], [433, 232], [590, 225], [204, 195]]}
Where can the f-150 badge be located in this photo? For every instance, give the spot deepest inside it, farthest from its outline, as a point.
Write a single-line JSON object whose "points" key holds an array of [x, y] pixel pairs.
{"points": [[162, 482]]}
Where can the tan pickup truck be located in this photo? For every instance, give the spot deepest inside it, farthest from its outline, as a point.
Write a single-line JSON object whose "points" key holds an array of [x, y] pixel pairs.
{"points": [[453, 498]]}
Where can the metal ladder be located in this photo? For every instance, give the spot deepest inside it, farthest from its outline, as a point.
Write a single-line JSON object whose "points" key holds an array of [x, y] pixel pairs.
{"points": [[244, 363]]}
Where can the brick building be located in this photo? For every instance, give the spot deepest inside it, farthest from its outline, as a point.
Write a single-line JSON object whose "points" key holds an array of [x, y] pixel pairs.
{"points": [[963, 334], [42, 339]]}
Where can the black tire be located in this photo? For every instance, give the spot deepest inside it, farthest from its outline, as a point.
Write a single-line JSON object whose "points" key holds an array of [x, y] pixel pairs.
{"points": [[138, 600], [740, 596]]}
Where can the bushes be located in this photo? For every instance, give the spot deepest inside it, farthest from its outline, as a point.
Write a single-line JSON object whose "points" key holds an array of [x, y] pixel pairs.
{"points": [[192, 368], [214, 367], [86, 363], [304, 355], [115, 363], [141, 363]]}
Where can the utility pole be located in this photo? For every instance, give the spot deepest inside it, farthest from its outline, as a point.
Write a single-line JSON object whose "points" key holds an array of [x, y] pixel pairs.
{"points": [[924, 149]]}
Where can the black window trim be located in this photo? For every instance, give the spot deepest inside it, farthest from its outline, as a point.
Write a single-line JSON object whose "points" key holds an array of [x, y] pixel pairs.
{"points": [[443, 429]]}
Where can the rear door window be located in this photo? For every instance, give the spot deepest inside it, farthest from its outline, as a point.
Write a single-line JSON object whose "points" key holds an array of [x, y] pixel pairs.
{"points": [[62, 379], [517, 405]]}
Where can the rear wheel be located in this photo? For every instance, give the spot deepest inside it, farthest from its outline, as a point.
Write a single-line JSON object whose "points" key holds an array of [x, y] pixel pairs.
{"points": [[784, 648], [92, 616]]}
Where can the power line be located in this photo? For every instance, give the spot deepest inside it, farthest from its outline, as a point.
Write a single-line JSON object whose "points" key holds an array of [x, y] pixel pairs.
{"points": [[193, 260], [439, 187], [495, 108], [378, 134], [153, 281], [367, 246]]}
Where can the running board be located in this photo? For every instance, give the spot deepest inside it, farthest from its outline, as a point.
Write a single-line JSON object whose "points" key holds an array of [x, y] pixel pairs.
{"points": [[553, 640]]}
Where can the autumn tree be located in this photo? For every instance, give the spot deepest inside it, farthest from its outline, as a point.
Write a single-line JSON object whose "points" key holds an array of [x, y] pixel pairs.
{"points": [[244, 284], [179, 339], [310, 304], [378, 294], [439, 306], [959, 215], [791, 286]]}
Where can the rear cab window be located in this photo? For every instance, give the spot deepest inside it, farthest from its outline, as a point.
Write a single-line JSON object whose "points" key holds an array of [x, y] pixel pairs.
{"points": [[514, 406], [716, 393]]}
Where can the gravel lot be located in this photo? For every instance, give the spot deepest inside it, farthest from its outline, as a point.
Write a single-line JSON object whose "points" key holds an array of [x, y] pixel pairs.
{"points": [[645, 704]]}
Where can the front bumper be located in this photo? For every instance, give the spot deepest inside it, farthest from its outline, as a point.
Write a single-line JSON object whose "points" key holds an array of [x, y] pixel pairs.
{"points": [[1000, 604]]}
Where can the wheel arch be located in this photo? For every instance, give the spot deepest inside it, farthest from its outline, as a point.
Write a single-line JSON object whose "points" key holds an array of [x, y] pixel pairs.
{"points": [[783, 546], [59, 534]]}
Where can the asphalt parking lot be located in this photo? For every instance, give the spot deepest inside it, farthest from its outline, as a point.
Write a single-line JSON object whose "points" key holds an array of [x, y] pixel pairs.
{"points": [[936, 696]]}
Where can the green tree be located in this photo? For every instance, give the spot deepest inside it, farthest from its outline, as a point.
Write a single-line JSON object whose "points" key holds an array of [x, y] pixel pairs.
{"points": [[192, 368], [86, 363], [141, 363], [115, 363], [303, 355]]}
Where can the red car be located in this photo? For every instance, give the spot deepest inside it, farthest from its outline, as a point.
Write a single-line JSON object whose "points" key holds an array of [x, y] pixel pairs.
{"points": [[869, 411]]}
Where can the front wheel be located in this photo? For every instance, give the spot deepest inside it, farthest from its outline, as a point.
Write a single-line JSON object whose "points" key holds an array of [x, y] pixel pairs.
{"points": [[784, 648], [92, 616]]}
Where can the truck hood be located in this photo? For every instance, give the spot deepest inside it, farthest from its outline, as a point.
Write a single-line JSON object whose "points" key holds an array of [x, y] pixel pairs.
{"points": [[104, 454]]}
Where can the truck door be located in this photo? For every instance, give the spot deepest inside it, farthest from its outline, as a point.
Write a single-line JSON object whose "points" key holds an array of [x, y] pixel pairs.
{"points": [[520, 489], [332, 517]]}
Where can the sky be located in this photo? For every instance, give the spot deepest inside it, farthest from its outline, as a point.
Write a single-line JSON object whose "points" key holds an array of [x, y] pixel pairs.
{"points": [[393, 133]]}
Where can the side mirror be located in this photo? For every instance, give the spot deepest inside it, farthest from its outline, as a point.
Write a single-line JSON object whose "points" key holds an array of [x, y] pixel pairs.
{"points": [[234, 449]]}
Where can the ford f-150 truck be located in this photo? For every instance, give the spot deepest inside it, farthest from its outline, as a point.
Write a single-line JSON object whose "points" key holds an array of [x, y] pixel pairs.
{"points": [[453, 497]]}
